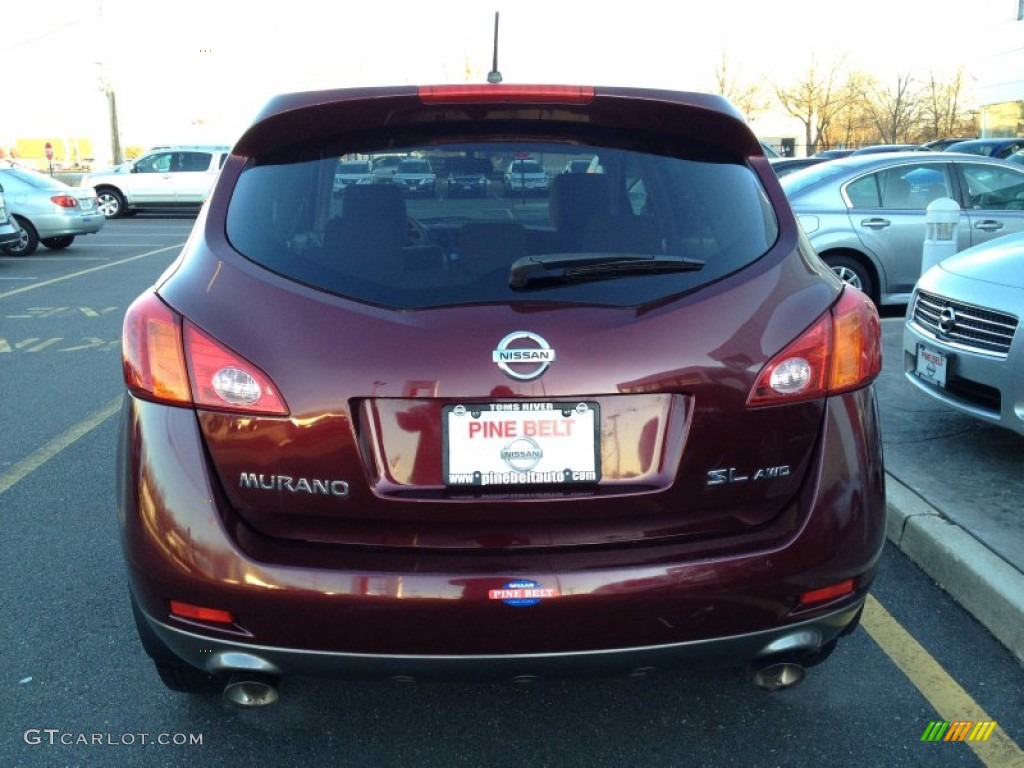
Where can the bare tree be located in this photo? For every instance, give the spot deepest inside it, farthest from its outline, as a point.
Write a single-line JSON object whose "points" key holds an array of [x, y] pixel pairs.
{"points": [[943, 112], [816, 99], [746, 96], [894, 110], [851, 126]]}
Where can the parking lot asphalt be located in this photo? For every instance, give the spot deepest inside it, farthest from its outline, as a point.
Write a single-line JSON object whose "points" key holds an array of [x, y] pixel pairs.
{"points": [[955, 497]]}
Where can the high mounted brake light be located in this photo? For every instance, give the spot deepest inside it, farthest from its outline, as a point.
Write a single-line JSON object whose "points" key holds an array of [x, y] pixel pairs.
{"points": [[524, 94]]}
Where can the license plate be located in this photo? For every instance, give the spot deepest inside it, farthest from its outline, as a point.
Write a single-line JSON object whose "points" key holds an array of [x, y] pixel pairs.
{"points": [[86, 204], [931, 366], [521, 443]]}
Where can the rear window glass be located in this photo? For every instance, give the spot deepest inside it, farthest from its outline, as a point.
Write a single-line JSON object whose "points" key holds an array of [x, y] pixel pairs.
{"points": [[639, 228], [34, 180]]}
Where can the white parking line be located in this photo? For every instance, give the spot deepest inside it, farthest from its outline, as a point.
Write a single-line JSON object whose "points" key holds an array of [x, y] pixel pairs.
{"points": [[90, 270], [53, 258], [30, 464]]}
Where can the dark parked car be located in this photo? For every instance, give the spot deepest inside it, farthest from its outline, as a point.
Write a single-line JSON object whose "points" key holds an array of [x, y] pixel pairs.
{"points": [[832, 154], [629, 424], [416, 177], [938, 145], [467, 176], [786, 165], [1000, 148], [874, 149]]}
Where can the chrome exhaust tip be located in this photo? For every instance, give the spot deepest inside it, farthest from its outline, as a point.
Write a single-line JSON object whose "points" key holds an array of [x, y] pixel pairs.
{"points": [[778, 675], [250, 690]]}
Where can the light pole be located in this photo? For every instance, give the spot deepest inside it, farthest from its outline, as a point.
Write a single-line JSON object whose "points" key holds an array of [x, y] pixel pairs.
{"points": [[115, 132]]}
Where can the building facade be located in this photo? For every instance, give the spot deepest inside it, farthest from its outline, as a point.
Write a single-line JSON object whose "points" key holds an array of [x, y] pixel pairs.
{"points": [[1000, 88]]}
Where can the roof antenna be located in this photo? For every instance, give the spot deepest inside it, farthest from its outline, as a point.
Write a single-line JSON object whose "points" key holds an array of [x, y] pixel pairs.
{"points": [[494, 76]]}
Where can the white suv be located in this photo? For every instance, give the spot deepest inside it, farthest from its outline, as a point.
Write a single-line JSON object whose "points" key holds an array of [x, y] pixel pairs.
{"points": [[165, 177]]}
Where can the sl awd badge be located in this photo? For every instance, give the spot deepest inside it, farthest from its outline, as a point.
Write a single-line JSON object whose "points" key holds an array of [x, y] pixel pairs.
{"points": [[523, 355]]}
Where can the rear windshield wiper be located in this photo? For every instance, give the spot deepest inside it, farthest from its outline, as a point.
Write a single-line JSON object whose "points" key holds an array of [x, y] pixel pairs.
{"points": [[567, 267]]}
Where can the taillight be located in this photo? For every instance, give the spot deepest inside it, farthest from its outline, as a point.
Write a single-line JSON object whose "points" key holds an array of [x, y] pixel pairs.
{"points": [[481, 93], [64, 201], [223, 380], [154, 366], [841, 352], [169, 360]]}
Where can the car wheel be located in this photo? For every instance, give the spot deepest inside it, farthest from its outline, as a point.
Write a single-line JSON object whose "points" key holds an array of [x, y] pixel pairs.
{"points": [[58, 243], [111, 203], [28, 238], [853, 272]]}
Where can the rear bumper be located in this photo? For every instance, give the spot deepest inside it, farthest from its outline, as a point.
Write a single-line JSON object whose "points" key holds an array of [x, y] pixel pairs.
{"points": [[219, 656], [58, 225], [309, 608]]}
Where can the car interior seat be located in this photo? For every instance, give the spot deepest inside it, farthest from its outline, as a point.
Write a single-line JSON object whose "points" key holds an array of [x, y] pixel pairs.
{"points": [[486, 246], [366, 240], [590, 215], [897, 194], [575, 199]]}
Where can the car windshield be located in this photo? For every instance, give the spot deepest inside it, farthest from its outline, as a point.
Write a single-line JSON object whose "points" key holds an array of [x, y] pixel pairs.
{"points": [[656, 225], [354, 167], [414, 166]]}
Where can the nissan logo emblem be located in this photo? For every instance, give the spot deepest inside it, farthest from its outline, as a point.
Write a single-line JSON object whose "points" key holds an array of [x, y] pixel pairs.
{"points": [[523, 361], [947, 320]]}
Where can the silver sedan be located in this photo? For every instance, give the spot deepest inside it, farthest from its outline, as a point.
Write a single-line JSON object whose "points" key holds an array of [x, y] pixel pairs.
{"points": [[963, 342], [44, 210], [865, 214]]}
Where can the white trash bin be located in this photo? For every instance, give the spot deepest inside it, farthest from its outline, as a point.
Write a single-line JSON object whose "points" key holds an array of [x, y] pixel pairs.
{"points": [[940, 242]]}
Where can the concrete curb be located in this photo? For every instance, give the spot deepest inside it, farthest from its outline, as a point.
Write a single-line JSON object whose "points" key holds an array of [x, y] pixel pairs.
{"points": [[987, 586]]}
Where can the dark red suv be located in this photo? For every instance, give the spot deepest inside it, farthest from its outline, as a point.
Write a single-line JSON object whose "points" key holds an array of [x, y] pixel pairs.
{"points": [[625, 425]]}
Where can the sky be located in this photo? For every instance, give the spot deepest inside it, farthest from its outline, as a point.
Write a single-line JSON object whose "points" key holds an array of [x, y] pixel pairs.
{"points": [[194, 71]]}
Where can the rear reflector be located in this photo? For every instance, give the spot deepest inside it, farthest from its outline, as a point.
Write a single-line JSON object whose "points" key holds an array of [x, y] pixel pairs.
{"points": [[199, 613], [827, 593], [526, 94]]}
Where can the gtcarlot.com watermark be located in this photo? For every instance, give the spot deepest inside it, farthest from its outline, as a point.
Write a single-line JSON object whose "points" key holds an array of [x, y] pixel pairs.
{"points": [[57, 736]]}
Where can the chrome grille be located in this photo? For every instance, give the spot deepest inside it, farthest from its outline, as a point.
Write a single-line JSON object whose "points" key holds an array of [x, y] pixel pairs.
{"points": [[975, 328]]}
